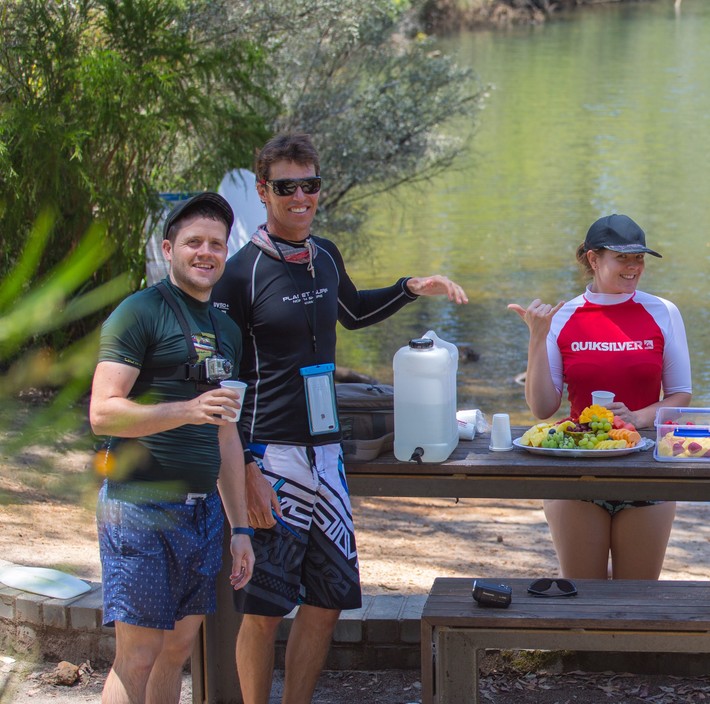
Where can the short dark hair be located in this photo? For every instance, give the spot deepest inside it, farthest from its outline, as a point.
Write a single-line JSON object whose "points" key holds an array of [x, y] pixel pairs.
{"points": [[207, 205], [296, 147]]}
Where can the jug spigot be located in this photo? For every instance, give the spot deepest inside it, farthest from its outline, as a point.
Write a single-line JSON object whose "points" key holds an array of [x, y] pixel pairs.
{"points": [[417, 455]]}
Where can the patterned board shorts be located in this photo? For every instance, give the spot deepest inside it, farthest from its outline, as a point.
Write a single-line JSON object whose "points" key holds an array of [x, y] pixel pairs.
{"points": [[311, 557], [159, 560]]}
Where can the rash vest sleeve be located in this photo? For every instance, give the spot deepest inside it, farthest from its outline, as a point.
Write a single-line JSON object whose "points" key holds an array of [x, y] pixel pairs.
{"points": [[676, 358]]}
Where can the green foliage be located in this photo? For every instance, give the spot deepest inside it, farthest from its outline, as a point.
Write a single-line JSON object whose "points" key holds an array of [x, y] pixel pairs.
{"points": [[51, 304], [375, 99], [103, 103]]}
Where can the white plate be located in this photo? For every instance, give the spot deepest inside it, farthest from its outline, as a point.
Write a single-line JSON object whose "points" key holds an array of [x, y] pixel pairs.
{"points": [[645, 444]]}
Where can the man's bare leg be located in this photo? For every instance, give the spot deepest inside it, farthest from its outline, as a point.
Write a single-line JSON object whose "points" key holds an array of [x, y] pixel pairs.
{"points": [[306, 652], [165, 679], [255, 656], [136, 651]]}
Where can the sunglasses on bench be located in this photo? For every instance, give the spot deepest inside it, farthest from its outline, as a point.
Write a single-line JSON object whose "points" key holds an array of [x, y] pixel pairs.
{"points": [[288, 186], [540, 587]]}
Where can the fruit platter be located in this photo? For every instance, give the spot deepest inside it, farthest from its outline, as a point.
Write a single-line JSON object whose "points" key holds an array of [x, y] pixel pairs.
{"points": [[596, 433]]}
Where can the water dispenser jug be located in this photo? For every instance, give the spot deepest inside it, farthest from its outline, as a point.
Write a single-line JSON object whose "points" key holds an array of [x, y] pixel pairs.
{"points": [[425, 426]]}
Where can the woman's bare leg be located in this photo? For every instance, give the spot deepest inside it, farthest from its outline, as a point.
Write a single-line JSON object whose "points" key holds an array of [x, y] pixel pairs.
{"points": [[639, 537], [581, 534]]}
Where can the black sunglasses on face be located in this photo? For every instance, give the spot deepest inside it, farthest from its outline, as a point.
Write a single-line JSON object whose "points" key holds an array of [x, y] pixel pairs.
{"points": [[288, 186], [540, 586]]}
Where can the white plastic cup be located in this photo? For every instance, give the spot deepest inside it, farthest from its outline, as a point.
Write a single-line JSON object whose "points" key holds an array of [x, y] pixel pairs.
{"points": [[501, 438], [240, 387], [602, 398]]}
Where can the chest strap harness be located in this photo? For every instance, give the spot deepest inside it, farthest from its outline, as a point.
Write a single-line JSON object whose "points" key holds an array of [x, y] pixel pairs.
{"points": [[193, 370]]}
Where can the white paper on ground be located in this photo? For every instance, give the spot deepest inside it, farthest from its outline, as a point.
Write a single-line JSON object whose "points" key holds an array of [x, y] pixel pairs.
{"points": [[44, 581]]}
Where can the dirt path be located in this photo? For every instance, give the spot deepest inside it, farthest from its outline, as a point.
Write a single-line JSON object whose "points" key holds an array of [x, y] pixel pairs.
{"points": [[404, 544]]}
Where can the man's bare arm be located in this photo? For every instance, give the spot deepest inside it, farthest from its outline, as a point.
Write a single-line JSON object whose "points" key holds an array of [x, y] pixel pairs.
{"points": [[111, 412]]}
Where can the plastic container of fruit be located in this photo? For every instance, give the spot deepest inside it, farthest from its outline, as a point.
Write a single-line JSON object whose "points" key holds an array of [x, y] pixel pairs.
{"points": [[682, 435]]}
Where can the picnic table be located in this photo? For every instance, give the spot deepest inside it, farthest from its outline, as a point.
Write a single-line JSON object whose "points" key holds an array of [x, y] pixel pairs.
{"points": [[472, 471]]}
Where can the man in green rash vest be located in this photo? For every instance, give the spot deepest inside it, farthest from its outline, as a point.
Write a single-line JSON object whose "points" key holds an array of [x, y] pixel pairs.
{"points": [[172, 451]]}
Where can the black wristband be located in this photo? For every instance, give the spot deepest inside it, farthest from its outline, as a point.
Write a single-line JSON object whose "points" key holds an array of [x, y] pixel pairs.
{"points": [[243, 531]]}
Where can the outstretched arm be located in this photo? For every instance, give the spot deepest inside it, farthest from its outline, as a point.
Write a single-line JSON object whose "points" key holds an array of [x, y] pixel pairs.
{"points": [[542, 397], [436, 286], [360, 308]]}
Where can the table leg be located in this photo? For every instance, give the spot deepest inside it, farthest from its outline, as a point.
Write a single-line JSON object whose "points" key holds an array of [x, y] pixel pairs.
{"points": [[428, 665], [455, 667], [213, 665], [198, 669]]}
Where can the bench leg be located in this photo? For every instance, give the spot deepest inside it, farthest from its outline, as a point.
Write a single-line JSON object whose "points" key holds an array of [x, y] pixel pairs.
{"points": [[455, 667]]}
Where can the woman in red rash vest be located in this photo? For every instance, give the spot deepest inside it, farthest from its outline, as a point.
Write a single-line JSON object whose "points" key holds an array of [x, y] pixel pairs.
{"points": [[632, 343]]}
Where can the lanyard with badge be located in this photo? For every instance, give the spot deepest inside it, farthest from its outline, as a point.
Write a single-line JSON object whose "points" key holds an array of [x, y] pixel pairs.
{"points": [[318, 379]]}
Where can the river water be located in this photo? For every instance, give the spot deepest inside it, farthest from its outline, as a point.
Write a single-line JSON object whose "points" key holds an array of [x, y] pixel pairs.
{"points": [[607, 110]]}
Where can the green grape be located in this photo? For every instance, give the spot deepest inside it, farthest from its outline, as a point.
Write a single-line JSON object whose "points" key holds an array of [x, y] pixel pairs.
{"points": [[591, 440]]}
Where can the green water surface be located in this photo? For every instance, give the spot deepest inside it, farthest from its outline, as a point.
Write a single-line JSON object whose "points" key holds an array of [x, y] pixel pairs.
{"points": [[605, 111]]}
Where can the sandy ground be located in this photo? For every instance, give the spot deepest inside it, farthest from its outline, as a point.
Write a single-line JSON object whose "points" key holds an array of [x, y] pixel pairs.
{"points": [[47, 520], [404, 544]]}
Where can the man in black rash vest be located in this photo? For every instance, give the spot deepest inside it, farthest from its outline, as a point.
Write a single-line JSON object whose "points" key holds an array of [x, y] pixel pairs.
{"points": [[287, 289], [156, 393]]}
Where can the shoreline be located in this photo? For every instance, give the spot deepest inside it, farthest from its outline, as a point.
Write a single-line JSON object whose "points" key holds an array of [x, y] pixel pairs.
{"points": [[443, 17]]}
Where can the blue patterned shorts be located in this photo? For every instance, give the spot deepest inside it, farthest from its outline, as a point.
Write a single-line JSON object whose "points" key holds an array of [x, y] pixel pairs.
{"points": [[311, 557], [159, 560]]}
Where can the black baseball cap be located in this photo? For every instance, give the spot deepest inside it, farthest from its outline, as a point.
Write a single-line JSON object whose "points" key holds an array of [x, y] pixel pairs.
{"points": [[619, 233], [206, 198]]}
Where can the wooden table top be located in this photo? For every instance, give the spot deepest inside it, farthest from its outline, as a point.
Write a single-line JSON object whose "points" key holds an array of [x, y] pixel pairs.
{"points": [[475, 471]]}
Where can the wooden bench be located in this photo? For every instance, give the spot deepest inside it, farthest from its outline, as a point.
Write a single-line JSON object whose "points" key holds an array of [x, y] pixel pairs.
{"points": [[613, 616]]}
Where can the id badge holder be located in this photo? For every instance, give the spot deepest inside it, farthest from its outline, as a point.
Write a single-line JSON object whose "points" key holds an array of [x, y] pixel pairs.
{"points": [[320, 398]]}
